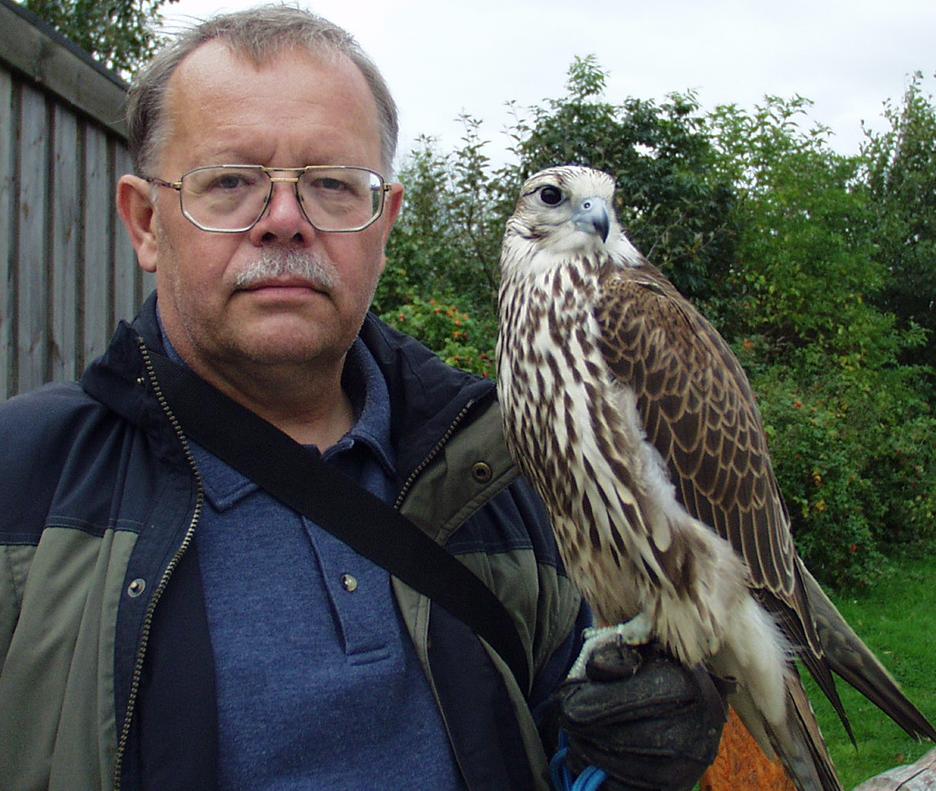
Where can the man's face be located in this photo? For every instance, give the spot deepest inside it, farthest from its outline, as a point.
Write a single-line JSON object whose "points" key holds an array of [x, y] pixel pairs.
{"points": [[296, 110]]}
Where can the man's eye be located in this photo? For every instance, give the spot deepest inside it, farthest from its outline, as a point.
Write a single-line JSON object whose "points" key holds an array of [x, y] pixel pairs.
{"points": [[551, 196], [330, 185], [229, 181]]}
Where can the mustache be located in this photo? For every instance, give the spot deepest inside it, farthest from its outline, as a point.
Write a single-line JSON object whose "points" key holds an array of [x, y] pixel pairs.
{"points": [[273, 263]]}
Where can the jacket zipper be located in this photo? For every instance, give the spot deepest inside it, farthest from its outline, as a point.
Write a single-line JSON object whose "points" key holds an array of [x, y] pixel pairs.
{"points": [[398, 503], [167, 573], [417, 471]]}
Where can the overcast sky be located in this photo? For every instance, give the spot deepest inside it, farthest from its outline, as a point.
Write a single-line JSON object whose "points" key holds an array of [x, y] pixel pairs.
{"points": [[443, 58]]}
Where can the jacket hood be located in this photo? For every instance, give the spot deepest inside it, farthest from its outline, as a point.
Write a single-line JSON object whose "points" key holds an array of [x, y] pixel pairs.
{"points": [[119, 380], [426, 395]]}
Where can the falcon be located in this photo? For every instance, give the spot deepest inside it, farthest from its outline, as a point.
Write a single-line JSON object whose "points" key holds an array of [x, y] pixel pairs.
{"points": [[636, 424]]}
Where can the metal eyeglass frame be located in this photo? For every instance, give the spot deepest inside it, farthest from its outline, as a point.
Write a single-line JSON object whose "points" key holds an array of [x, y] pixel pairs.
{"points": [[294, 180]]}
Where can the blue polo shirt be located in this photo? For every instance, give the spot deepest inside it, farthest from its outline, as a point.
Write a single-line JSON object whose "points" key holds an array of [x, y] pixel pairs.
{"points": [[318, 683]]}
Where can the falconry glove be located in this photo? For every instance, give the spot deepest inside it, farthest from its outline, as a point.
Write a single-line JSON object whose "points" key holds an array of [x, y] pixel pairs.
{"points": [[646, 720]]}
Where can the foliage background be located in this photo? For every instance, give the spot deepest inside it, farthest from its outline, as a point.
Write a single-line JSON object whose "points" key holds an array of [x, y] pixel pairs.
{"points": [[816, 267], [120, 34]]}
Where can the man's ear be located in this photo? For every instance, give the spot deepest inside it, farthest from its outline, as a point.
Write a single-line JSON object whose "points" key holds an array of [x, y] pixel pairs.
{"points": [[138, 215], [392, 206]]}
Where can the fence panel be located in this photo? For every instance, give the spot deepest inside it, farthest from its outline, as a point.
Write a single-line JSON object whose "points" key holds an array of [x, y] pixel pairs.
{"points": [[67, 269], [7, 306], [127, 288], [66, 245], [32, 283], [98, 228]]}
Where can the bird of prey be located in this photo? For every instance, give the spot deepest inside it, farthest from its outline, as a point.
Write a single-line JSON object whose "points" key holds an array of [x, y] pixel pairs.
{"points": [[637, 426]]}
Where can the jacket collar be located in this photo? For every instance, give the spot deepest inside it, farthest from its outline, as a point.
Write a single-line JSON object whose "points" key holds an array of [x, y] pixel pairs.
{"points": [[426, 395]]}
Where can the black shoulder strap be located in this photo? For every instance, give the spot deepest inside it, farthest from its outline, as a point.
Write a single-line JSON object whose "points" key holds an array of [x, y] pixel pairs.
{"points": [[299, 479]]}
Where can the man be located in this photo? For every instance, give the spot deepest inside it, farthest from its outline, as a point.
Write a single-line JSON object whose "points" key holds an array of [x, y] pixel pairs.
{"points": [[165, 623]]}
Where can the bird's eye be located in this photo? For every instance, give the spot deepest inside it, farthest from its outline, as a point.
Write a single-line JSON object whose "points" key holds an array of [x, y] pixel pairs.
{"points": [[551, 196]]}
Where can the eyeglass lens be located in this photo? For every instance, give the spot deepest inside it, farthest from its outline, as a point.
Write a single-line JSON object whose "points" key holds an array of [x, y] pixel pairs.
{"points": [[233, 198]]}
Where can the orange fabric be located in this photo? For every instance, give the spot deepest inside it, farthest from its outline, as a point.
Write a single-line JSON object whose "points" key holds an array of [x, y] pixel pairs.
{"points": [[741, 764]]}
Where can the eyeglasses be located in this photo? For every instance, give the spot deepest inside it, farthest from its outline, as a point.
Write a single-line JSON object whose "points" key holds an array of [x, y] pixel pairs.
{"points": [[233, 198]]}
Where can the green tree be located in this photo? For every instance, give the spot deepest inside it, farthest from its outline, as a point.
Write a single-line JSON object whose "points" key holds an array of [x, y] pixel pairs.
{"points": [[850, 431], [447, 243], [120, 34], [901, 177], [774, 235], [440, 284], [805, 255]]}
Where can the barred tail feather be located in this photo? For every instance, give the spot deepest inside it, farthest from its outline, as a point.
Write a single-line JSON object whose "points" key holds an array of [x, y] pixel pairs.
{"points": [[807, 757], [850, 658]]}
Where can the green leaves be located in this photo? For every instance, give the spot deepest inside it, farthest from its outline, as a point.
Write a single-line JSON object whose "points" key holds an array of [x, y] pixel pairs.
{"points": [[853, 452], [459, 338], [817, 267], [900, 176], [806, 245], [120, 34]]}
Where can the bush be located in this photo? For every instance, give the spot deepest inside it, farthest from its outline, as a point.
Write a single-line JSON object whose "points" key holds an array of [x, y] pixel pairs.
{"points": [[792, 250], [457, 338], [853, 453]]}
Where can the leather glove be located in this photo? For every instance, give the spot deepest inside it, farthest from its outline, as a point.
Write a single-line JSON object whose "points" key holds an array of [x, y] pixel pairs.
{"points": [[643, 718]]}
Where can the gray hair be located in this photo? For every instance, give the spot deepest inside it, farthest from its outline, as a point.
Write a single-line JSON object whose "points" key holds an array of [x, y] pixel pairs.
{"points": [[259, 34]]}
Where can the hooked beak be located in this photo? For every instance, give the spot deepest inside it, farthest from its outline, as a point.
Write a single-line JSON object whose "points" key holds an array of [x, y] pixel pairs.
{"points": [[593, 217]]}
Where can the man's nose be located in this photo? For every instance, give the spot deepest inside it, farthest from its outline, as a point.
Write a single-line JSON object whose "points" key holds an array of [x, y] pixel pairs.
{"points": [[283, 220]]}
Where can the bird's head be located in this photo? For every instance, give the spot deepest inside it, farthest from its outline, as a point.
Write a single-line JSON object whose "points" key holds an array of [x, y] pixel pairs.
{"points": [[565, 210]]}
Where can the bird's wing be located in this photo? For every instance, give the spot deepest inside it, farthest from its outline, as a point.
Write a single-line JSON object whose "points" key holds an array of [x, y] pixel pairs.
{"points": [[699, 412]]}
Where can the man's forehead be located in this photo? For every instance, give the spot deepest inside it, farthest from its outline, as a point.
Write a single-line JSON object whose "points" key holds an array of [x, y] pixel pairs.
{"points": [[217, 61], [219, 91]]}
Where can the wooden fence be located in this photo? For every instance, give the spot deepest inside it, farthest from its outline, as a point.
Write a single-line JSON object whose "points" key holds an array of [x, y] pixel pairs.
{"points": [[67, 269]]}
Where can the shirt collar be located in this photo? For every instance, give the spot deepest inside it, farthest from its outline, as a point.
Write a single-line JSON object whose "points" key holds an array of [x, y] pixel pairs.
{"points": [[365, 385]]}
